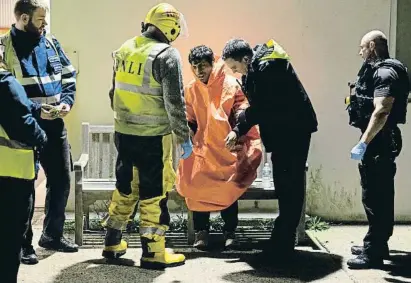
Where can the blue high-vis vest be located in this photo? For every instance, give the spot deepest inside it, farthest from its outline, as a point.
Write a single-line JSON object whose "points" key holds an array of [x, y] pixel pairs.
{"points": [[40, 65]]}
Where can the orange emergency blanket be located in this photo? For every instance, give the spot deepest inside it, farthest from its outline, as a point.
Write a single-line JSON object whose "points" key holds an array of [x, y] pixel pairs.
{"points": [[213, 178]]}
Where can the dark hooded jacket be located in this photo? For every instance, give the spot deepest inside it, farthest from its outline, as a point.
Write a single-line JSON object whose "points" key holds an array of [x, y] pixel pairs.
{"points": [[278, 101]]}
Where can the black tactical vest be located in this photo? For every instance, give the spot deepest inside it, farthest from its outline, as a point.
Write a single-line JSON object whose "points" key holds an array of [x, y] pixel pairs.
{"points": [[361, 102]]}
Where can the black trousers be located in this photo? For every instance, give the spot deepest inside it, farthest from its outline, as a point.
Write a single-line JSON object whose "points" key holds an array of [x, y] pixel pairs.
{"points": [[229, 215], [289, 157], [15, 195], [377, 171], [56, 161]]}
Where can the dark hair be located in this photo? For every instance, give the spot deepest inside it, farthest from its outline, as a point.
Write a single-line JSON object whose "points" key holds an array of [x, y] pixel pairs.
{"points": [[237, 49], [199, 53], [28, 7]]}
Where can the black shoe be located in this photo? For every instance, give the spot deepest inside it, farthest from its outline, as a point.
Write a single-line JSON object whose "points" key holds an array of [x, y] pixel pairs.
{"points": [[201, 240], [28, 256], [364, 262], [230, 240], [60, 245], [358, 250], [278, 255]]}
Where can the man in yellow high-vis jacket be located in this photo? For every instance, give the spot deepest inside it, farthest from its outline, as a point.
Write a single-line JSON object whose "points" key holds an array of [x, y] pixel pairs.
{"points": [[148, 103], [20, 137]]}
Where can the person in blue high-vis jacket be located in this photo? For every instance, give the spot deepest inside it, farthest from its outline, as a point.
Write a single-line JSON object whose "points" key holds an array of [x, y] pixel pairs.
{"points": [[40, 65], [20, 138]]}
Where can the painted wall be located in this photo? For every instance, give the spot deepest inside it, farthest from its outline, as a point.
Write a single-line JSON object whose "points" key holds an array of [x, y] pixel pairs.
{"points": [[322, 37]]}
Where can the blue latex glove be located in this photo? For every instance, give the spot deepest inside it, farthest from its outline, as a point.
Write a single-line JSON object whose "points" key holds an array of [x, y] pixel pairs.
{"points": [[187, 147], [357, 152]]}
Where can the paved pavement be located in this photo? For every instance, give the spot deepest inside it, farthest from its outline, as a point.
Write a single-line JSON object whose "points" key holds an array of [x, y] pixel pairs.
{"points": [[327, 264], [339, 239]]}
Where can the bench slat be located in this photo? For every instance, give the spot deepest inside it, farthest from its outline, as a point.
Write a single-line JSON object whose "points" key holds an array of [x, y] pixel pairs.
{"points": [[106, 159]]}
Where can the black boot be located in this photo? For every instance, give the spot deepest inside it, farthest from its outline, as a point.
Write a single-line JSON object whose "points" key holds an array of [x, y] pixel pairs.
{"points": [[57, 244], [363, 261], [357, 250], [28, 256]]}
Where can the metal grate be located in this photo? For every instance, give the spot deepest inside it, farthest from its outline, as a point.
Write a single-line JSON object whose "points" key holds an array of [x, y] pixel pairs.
{"points": [[252, 238]]}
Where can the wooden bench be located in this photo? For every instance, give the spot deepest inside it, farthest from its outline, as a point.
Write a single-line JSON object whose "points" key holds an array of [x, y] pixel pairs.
{"points": [[95, 180]]}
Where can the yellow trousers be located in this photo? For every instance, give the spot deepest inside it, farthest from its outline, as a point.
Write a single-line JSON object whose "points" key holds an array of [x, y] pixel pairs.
{"points": [[145, 174]]}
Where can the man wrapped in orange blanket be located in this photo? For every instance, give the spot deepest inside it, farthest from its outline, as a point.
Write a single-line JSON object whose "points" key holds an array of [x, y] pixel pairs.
{"points": [[214, 177]]}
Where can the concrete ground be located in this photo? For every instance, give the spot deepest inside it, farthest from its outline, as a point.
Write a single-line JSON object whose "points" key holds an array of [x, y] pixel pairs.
{"points": [[339, 239], [311, 265]]}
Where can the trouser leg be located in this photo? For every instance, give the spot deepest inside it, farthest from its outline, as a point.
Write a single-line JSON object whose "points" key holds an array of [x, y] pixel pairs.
{"points": [[16, 196], [57, 164], [230, 217], [377, 180], [28, 235], [157, 178], [201, 221], [288, 174], [377, 171], [125, 197]]}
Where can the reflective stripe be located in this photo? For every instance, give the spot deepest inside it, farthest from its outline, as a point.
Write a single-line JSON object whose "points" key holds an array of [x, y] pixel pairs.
{"points": [[48, 99], [148, 68], [140, 119], [151, 231], [13, 144], [145, 89], [68, 70], [39, 80], [67, 81]]}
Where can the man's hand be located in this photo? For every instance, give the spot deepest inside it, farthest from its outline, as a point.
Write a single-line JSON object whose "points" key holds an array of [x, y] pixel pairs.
{"points": [[49, 112], [358, 151], [64, 110], [231, 140]]}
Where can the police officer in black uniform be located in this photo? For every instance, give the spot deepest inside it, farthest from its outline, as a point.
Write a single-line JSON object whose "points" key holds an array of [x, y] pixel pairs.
{"points": [[377, 104]]}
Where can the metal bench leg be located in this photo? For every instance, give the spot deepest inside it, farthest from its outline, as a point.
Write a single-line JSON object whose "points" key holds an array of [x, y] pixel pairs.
{"points": [[190, 228]]}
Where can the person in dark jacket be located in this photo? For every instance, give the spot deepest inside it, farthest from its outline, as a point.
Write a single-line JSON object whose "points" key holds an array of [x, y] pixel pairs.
{"points": [[281, 107], [20, 137], [38, 61]]}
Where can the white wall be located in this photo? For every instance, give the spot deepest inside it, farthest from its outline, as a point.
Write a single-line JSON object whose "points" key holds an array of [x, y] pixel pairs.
{"points": [[322, 37]]}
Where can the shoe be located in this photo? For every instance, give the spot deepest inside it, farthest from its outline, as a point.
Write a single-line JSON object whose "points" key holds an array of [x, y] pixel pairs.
{"points": [[278, 254], [364, 262], [156, 256], [201, 240], [358, 250], [114, 246], [230, 240], [28, 256], [60, 244]]}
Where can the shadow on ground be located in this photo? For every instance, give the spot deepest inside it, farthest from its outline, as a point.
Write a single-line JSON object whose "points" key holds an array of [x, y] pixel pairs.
{"points": [[43, 254], [399, 266], [101, 270], [306, 266]]}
